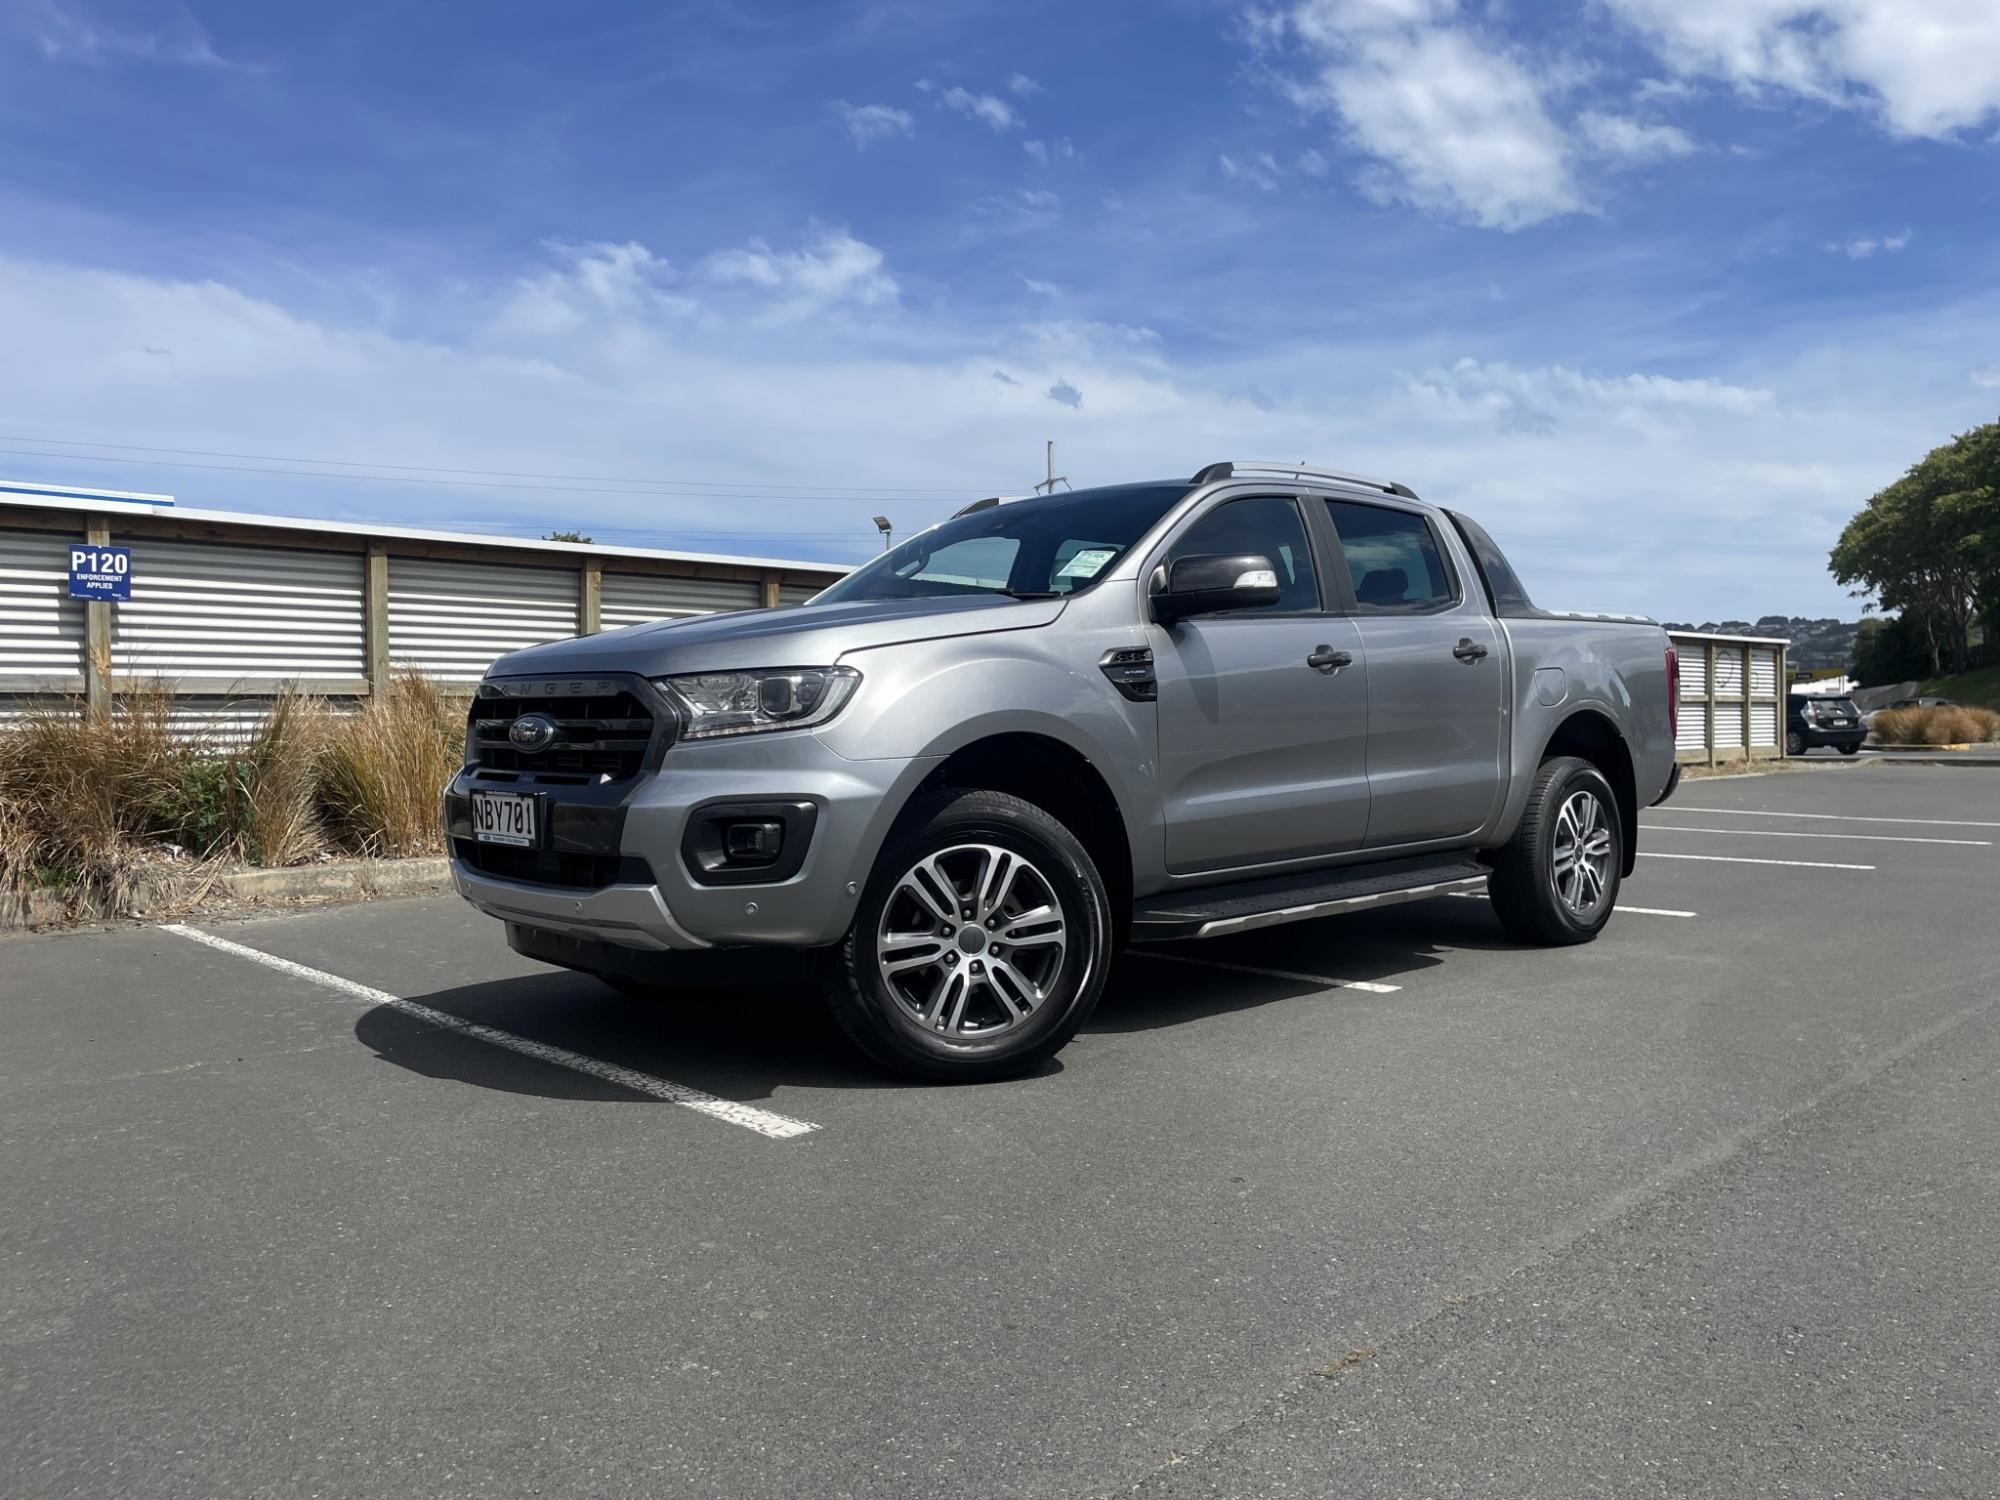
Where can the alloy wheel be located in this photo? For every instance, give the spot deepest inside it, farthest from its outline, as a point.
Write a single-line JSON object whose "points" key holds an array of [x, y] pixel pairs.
{"points": [[972, 940], [1581, 867]]}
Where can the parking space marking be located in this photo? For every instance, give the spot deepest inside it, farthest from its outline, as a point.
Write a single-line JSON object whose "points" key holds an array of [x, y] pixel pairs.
{"points": [[1639, 911], [1792, 833], [1747, 812], [763, 1121], [1739, 859], [1373, 987]]}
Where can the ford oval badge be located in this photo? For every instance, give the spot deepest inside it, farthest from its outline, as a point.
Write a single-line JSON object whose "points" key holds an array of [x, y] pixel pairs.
{"points": [[532, 733]]}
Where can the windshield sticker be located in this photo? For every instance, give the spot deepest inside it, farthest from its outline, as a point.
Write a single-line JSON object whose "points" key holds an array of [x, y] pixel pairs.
{"points": [[1087, 563]]}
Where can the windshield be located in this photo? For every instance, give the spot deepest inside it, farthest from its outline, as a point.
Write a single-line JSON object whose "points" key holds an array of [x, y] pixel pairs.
{"points": [[1034, 549]]}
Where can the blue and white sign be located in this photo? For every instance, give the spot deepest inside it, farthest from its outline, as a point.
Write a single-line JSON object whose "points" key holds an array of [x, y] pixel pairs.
{"points": [[100, 572]]}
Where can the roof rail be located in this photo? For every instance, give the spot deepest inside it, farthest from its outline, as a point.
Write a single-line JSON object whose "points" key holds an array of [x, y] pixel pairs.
{"points": [[978, 505], [1258, 466]]}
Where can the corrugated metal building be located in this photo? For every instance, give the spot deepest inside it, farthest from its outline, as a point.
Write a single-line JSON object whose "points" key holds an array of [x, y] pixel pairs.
{"points": [[1732, 697], [229, 606]]}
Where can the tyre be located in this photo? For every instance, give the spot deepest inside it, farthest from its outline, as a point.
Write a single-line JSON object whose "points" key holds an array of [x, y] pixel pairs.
{"points": [[1557, 879], [1795, 743], [1850, 749], [981, 943]]}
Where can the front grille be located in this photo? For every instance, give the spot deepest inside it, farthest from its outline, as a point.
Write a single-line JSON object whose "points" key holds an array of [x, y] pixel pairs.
{"points": [[576, 872], [603, 733]]}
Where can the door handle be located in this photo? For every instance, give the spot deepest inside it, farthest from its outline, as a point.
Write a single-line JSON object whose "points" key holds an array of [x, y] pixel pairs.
{"points": [[1326, 661], [1469, 650]]}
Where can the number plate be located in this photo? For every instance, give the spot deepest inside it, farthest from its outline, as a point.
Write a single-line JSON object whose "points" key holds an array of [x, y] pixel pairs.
{"points": [[503, 818]]}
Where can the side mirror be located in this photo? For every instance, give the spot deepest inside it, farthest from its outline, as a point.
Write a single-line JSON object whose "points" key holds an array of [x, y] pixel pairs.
{"points": [[1209, 585]]}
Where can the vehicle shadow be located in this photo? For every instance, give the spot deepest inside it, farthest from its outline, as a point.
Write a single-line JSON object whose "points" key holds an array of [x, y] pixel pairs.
{"points": [[738, 1041], [751, 1039], [1180, 982]]}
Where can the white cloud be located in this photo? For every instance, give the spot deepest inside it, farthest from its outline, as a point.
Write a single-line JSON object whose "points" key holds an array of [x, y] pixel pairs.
{"points": [[1868, 246], [1045, 152], [834, 268], [869, 123], [1459, 128], [994, 113], [1923, 67], [1622, 138], [1260, 171], [1021, 211], [66, 34], [1065, 394], [587, 283], [1021, 83], [1454, 123], [1541, 399], [1663, 90], [605, 359], [1041, 288]]}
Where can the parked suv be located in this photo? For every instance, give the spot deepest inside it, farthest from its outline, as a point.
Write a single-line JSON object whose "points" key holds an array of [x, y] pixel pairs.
{"points": [[972, 771], [1814, 721]]}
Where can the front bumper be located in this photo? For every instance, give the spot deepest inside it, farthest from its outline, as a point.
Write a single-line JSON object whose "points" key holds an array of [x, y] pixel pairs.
{"points": [[631, 916], [1819, 739], [854, 804]]}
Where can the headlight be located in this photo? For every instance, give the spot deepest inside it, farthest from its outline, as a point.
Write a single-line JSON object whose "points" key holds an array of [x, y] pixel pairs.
{"points": [[716, 704]]}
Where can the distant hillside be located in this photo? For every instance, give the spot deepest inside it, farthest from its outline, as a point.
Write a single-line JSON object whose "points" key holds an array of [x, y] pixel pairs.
{"points": [[1815, 643]]}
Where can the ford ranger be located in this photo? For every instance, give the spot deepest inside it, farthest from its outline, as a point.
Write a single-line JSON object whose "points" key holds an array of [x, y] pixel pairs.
{"points": [[967, 775]]}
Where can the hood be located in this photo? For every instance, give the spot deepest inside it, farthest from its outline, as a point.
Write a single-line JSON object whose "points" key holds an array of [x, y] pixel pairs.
{"points": [[815, 635]]}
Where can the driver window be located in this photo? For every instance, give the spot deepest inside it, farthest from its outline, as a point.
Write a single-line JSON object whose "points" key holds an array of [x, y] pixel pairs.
{"points": [[1269, 527]]}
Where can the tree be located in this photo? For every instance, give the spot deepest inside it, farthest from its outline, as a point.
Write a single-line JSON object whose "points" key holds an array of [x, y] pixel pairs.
{"points": [[1887, 651], [1928, 546], [565, 536]]}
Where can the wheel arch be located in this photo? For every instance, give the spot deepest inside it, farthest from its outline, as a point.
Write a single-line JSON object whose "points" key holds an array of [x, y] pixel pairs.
{"points": [[1590, 734], [1058, 778]]}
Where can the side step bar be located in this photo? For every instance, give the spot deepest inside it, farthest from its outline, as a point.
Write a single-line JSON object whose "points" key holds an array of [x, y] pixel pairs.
{"points": [[1250, 904]]}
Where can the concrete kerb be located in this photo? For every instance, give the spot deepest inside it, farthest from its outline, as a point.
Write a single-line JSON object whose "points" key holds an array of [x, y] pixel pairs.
{"points": [[345, 877]]}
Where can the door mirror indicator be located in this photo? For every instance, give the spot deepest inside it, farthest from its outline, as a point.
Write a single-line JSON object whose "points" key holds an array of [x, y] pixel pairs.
{"points": [[1209, 585]]}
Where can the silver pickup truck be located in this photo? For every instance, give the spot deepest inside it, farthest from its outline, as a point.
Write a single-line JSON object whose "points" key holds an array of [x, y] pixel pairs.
{"points": [[974, 770]]}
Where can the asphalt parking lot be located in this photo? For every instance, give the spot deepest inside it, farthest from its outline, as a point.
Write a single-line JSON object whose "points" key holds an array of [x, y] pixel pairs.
{"points": [[1378, 1206]]}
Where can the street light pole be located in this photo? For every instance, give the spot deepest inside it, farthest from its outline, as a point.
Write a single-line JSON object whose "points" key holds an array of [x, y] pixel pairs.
{"points": [[882, 525]]}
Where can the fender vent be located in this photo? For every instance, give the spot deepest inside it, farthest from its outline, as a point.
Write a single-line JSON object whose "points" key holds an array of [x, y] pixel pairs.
{"points": [[1130, 669]]}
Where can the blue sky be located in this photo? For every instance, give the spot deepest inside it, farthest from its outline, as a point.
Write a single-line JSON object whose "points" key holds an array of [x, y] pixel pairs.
{"points": [[1661, 289]]}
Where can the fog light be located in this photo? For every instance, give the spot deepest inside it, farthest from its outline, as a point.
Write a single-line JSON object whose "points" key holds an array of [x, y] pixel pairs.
{"points": [[758, 843]]}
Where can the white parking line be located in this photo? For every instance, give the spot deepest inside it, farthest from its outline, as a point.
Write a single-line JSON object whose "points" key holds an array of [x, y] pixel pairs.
{"points": [[1747, 812], [1641, 911], [1371, 986], [1737, 859], [763, 1121], [1789, 833]]}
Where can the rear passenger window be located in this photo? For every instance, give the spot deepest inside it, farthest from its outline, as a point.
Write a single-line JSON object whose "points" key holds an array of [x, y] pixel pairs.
{"points": [[1270, 528], [1393, 559]]}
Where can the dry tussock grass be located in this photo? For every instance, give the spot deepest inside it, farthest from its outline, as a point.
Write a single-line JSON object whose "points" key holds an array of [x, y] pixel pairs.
{"points": [[87, 802], [1936, 726], [385, 768]]}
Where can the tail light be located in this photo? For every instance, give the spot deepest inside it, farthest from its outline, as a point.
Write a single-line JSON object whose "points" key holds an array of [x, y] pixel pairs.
{"points": [[1673, 694]]}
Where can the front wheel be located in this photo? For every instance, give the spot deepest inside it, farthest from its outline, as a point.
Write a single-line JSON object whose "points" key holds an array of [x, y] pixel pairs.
{"points": [[1557, 879], [981, 943]]}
